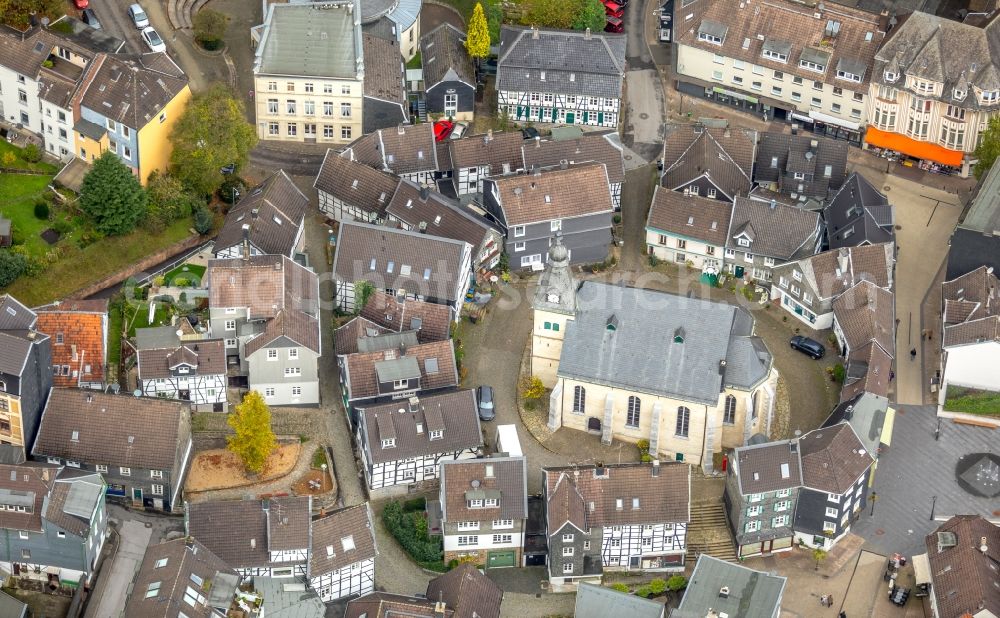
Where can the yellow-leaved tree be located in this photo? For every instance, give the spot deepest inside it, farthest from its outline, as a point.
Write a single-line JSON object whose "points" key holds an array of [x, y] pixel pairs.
{"points": [[477, 39], [254, 440]]}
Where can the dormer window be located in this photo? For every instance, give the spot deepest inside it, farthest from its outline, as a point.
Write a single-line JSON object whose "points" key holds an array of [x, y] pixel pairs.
{"points": [[923, 86], [436, 435], [743, 242], [958, 95], [989, 97], [491, 503], [775, 55], [712, 32], [890, 76], [388, 442]]}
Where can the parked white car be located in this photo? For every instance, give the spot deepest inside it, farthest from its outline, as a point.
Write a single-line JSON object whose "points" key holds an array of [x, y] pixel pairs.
{"points": [[138, 16], [153, 40]]}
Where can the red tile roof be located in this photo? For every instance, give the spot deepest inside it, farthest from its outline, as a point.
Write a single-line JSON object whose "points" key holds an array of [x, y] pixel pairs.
{"points": [[81, 327]]}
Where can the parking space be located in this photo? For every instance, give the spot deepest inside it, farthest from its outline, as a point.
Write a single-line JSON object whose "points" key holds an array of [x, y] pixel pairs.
{"points": [[113, 15]]}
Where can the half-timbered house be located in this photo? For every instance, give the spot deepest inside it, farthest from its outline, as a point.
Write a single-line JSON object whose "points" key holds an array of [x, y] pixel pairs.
{"points": [[269, 220], [403, 442], [349, 190], [560, 76], [476, 158], [617, 517], [268, 537], [193, 371], [408, 151], [591, 147], [343, 551]]}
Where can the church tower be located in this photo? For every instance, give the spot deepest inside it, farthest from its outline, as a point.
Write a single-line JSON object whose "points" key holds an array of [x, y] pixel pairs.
{"points": [[553, 305]]}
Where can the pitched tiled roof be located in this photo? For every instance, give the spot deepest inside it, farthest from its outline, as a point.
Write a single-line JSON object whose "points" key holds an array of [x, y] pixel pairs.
{"points": [[972, 296], [691, 216], [975, 331], [573, 62], [780, 154], [83, 491], [176, 571], [133, 89], [265, 284], [791, 28], [388, 605], [464, 480], [565, 503], [556, 194], [468, 592], [207, 356], [455, 414], [384, 78], [274, 212], [345, 338], [437, 214], [420, 263], [333, 536], [118, 430], [865, 313], [491, 149], [431, 321], [81, 326], [445, 58], [408, 149], [858, 214], [868, 370], [724, 155], [625, 494], [763, 468], [833, 458], [964, 574], [25, 485], [597, 146], [296, 326], [242, 532], [781, 232], [362, 378], [355, 183]]}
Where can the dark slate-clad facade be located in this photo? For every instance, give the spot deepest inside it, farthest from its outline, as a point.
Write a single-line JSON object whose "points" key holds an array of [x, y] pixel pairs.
{"points": [[25, 373], [449, 77], [858, 215], [800, 166]]}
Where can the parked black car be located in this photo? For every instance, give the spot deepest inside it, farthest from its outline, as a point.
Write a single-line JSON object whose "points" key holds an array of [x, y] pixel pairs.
{"points": [[809, 347], [484, 399]]}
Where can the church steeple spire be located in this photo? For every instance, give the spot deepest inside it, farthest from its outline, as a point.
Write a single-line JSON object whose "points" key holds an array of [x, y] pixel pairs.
{"points": [[556, 287]]}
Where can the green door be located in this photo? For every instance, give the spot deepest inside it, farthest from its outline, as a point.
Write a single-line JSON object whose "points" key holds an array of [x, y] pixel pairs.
{"points": [[680, 456], [497, 559], [520, 112], [739, 272], [600, 118], [586, 117], [570, 117], [137, 494]]}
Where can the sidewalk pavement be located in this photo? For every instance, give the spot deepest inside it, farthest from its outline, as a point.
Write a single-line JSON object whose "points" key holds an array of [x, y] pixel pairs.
{"points": [[111, 592]]}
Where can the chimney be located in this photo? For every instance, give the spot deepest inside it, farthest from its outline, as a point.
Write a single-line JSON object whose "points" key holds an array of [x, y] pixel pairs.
{"points": [[726, 133], [724, 592], [534, 32], [586, 34], [401, 130], [440, 608], [246, 241], [32, 334], [254, 213], [773, 204], [538, 141], [563, 164], [489, 136], [414, 404], [422, 227], [983, 547], [656, 468], [536, 170], [424, 193]]}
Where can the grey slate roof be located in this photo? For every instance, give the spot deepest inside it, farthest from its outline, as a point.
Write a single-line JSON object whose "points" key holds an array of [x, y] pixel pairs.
{"points": [[575, 63], [442, 216], [355, 183], [762, 468], [593, 601], [797, 153], [983, 214], [971, 249], [11, 607], [858, 214], [725, 156], [384, 72], [274, 210], [641, 353], [133, 89], [308, 40], [175, 565], [598, 146], [240, 532], [280, 602], [866, 414], [16, 320], [442, 51], [780, 232], [421, 264], [751, 593]]}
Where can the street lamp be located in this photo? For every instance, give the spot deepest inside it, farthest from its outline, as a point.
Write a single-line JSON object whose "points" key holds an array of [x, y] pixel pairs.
{"points": [[874, 499]]}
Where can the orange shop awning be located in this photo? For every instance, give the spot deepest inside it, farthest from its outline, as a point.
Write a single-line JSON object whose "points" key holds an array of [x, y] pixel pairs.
{"points": [[913, 148]]}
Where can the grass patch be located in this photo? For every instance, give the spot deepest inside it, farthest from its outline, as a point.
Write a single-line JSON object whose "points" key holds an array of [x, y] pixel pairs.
{"points": [[102, 258], [194, 273], [972, 401], [464, 7], [115, 320], [21, 164], [18, 194], [319, 458], [137, 316], [414, 63]]}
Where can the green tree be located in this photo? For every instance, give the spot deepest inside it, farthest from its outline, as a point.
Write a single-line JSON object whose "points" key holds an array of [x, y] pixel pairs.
{"points": [[112, 196], [169, 200], [31, 153], [9, 159], [363, 290], [819, 555], [17, 12], [494, 18], [12, 266], [677, 583], [210, 28], [547, 13], [589, 14], [254, 440], [203, 220], [532, 387], [988, 148], [211, 133], [477, 41]]}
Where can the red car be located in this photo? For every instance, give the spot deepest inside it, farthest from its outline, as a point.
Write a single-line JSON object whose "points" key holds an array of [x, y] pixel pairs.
{"points": [[442, 129], [81, 4], [614, 25], [614, 9]]}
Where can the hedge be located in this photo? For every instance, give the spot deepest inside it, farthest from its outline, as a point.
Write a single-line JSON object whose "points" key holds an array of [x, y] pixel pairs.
{"points": [[410, 531]]}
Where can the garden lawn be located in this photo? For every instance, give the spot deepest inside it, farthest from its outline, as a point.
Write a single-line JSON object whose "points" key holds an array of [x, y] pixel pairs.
{"points": [[115, 318], [21, 164], [18, 194], [464, 7], [972, 401], [137, 316], [82, 267], [194, 273]]}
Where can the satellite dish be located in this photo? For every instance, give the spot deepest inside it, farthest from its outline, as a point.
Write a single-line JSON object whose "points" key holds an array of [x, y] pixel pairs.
{"points": [[45, 21], [137, 393], [475, 483]]}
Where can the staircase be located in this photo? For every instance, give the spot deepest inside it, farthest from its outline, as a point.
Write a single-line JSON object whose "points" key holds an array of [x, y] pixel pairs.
{"points": [[181, 12], [422, 110], [708, 532]]}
